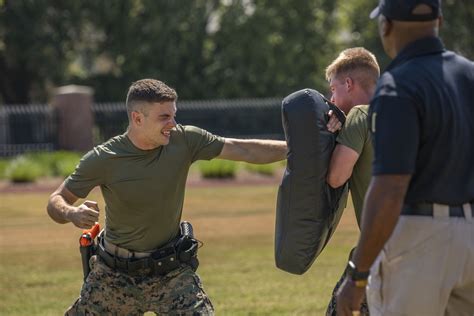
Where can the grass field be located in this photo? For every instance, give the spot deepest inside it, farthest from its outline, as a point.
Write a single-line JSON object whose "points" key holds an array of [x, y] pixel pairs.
{"points": [[41, 274]]}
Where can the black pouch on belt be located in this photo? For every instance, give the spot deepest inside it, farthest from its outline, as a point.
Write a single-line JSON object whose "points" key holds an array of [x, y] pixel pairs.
{"points": [[187, 246]]}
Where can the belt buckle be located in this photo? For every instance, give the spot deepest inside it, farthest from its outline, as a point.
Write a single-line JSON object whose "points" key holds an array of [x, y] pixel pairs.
{"points": [[164, 260], [162, 253]]}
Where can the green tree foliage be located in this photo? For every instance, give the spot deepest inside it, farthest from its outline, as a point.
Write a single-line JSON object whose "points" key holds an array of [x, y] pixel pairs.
{"points": [[358, 30], [271, 48], [141, 39], [456, 30], [36, 38], [203, 48], [209, 49], [458, 26]]}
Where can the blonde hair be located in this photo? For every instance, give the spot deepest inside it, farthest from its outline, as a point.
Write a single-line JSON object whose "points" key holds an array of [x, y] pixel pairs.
{"points": [[358, 63]]}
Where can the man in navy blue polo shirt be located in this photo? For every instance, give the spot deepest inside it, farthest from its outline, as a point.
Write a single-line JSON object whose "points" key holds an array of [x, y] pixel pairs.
{"points": [[417, 234]]}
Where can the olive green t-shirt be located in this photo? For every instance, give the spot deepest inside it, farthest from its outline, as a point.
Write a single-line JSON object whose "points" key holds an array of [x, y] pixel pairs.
{"points": [[143, 189], [355, 135]]}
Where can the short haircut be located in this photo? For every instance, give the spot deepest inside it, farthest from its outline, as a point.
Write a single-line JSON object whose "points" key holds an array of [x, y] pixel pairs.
{"points": [[357, 63], [148, 90]]}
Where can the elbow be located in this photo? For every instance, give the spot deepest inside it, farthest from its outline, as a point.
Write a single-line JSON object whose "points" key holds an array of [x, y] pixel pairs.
{"points": [[335, 181], [49, 209]]}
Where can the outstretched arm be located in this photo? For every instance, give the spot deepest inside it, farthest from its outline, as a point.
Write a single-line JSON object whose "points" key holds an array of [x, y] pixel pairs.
{"points": [[253, 150], [61, 209], [261, 151]]}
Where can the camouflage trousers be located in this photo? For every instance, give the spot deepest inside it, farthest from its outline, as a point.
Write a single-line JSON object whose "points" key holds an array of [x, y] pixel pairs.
{"points": [[331, 310], [108, 292]]}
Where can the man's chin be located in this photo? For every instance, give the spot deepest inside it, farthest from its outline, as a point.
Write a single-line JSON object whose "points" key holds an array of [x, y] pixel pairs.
{"points": [[165, 142]]}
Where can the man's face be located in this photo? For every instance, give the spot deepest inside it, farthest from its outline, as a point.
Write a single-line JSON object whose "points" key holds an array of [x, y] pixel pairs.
{"points": [[158, 121], [340, 93]]}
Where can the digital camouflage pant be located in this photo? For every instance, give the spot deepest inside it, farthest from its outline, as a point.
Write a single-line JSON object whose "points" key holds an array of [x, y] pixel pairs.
{"points": [[107, 292]]}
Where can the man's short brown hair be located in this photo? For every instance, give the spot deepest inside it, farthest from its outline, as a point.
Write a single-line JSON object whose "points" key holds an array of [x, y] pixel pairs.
{"points": [[357, 63], [148, 90]]}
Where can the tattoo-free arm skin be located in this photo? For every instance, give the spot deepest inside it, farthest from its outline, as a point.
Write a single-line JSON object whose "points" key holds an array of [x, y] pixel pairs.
{"points": [[342, 164], [253, 150], [61, 209]]}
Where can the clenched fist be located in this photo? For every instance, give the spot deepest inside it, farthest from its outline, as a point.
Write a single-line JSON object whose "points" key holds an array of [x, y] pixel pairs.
{"points": [[84, 215]]}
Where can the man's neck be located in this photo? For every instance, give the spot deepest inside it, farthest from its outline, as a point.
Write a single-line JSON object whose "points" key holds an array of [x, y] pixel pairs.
{"points": [[137, 140], [362, 97]]}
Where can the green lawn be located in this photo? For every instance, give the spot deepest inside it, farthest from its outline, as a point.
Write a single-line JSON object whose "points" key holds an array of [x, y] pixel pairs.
{"points": [[40, 269]]}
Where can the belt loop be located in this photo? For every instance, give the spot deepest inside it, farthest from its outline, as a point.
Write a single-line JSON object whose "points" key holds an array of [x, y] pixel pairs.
{"points": [[467, 208], [440, 210]]}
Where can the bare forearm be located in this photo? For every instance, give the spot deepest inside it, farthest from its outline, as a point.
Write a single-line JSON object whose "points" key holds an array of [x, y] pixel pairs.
{"points": [[59, 209], [254, 150], [382, 209], [266, 151]]}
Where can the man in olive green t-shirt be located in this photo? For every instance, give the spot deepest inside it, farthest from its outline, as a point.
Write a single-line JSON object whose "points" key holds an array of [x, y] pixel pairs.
{"points": [[142, 176], [352, 79], [356, 137]]}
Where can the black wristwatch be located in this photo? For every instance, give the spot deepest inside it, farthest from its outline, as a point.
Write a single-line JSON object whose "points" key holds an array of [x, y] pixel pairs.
{"points": [[358, 277]]}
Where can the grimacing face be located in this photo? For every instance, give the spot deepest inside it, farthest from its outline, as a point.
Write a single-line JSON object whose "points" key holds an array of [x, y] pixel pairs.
{"points": [[340, 94], [158, 122]]}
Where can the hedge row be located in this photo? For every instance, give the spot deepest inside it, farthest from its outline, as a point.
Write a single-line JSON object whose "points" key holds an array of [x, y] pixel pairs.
{"points": [[31, 166]]}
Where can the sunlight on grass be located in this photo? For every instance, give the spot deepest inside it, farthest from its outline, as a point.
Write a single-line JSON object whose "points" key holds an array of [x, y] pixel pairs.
{"points": [[41, 274]]}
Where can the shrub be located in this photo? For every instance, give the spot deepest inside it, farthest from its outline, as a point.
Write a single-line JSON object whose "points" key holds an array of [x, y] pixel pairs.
{"points": [[3, 166], [58, 163], [218, 168], [265, 169], [23, 169], [43, 159], [64, 168], [65, 162]]}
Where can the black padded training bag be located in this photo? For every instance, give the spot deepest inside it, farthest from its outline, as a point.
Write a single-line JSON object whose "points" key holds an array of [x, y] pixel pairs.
{"points": [[308, 209]]}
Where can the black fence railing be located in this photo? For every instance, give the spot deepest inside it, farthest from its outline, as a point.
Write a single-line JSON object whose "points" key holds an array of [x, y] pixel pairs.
{"points": [[26, 128]]}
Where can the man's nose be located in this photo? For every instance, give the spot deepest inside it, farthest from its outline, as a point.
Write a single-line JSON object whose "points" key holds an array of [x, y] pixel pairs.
{"points": [[332, 98]]}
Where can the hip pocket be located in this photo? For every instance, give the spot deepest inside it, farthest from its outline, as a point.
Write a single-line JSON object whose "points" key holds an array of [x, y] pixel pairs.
{"points": [[375, 288]]}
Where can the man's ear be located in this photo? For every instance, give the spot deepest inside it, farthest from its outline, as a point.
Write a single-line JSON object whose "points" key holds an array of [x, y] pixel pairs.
{"points": [[349, 83], [385, 26], [137, 118], [440, 21]]}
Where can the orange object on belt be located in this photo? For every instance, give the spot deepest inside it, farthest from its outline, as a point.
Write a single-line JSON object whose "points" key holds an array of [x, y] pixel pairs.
{"points": [[88, 235]]}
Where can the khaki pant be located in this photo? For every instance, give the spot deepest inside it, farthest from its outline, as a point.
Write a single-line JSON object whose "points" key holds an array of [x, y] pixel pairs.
{"points": [[425, 268], [332, 306], [107, 292]]}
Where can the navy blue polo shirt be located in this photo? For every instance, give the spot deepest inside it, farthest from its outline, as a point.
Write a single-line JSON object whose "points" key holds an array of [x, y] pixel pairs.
{"points": [[422, 120]]}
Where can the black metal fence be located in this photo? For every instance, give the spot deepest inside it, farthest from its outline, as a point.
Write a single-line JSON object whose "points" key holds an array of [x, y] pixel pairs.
{"points": [[34, 127], [27, 128]]}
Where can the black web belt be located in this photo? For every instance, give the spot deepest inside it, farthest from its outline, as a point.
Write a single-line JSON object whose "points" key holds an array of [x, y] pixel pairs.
{"points": [[160, 262], [426, 209]]}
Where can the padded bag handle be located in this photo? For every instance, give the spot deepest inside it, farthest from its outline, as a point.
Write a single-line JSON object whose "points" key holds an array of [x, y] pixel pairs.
{"points": [[308, 209]]}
